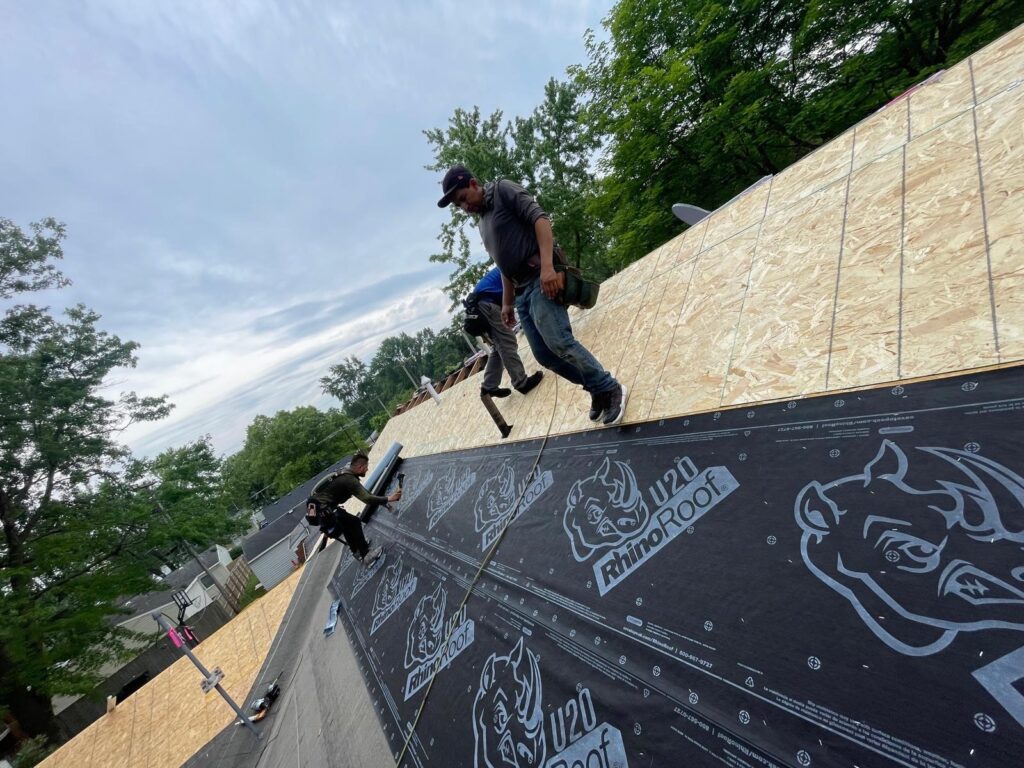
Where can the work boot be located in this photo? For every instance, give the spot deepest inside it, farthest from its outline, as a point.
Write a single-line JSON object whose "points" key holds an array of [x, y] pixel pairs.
{"points": [[496, 391], [531, 381], [371, 557], [598, 403], [616, 405]]}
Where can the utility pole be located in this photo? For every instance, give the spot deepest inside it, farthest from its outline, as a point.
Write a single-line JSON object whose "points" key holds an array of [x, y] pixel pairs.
{"points": [[469, 343], [414, 382]]}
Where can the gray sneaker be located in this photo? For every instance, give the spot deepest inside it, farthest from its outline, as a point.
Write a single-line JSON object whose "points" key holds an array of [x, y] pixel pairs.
{"points": [[371, 557], [616, 405], [598, 404]]}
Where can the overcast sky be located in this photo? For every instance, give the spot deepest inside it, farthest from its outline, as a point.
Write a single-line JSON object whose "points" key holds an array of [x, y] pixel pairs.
{"points": [[243, 181]]}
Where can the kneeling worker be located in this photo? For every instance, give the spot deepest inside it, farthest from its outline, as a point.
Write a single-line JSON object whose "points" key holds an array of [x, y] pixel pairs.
{"points": [[323, 508]]}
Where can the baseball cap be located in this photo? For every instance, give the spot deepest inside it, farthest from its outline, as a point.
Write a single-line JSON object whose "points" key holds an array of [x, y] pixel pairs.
{"points": [[458, 176]]}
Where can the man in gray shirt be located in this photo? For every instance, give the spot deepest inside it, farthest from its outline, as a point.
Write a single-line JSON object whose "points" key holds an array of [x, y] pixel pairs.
{"points": [[517, 235]]}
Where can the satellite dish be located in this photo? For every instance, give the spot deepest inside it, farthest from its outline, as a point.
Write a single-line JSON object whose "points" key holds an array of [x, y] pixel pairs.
{"points": [[691, 214]]}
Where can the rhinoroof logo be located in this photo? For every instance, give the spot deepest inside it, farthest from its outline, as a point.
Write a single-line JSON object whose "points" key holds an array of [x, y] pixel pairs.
{"points": [[946, 557], [432, 643], [508, 721], [414, 486], [446, 492], [497, 496], [365, 575], [508, 716], [607, 516], [396, 586]]}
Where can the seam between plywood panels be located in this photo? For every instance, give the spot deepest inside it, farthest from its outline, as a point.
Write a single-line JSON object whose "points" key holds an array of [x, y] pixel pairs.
{"points": [[675, 326], [656, 388], [842, 245], [984, 213], [903, 240], [743, 300]]}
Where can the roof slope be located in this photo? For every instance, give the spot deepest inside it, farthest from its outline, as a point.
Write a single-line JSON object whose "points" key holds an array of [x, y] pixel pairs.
{"points": [[888, 254]]}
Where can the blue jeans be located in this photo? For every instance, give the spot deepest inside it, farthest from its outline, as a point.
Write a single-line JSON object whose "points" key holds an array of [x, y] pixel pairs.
{"points": [[547, 329]]}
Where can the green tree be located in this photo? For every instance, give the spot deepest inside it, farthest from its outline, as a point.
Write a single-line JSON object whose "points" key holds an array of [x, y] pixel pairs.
{"points": [[186, 486], [284, 450], [696, 100], [78, 532], [550, 153], [345, 380], [492, 149], [375, 390]]}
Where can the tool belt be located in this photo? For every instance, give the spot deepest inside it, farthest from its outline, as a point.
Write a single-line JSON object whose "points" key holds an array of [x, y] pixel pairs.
{"points": [[578, 291]]}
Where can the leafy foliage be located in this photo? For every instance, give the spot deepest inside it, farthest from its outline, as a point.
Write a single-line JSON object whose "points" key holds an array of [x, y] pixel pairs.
{"points": [[284, 450], [548, 152], [83, 524], [696, 100], [375, 390]]}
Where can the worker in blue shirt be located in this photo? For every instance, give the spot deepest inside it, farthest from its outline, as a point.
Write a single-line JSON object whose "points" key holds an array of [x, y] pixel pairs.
{"points": [[506, 348]]}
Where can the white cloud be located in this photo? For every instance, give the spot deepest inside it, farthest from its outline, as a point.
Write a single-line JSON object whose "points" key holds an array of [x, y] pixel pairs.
{"points": [[243, 182], [202, 375]]}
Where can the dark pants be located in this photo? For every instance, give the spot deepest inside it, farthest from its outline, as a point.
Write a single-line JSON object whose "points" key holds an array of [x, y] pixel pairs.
{"points": [[349, 526]]}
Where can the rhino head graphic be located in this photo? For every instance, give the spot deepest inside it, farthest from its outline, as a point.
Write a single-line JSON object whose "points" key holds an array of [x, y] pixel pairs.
{"points": [[604, 510], [920, 564], [496, 497], [426, 630], [508, 721]]}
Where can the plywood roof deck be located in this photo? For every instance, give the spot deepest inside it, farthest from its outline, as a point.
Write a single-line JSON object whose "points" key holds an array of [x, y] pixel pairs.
{"points": [[894, 252], [169, 719]]}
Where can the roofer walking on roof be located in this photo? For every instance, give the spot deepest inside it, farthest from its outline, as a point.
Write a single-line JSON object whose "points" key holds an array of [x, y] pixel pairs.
{"points": [[517, 235], [489, 292], [323, 508]]}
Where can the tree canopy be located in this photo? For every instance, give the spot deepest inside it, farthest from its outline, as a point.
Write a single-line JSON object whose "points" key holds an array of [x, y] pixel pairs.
{"points": [[83, 523], [284, 450], [373, 391], [693, 101]]}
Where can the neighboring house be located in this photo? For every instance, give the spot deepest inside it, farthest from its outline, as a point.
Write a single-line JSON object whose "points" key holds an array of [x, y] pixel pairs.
{"points": [[206, 614], [286, 540], [192, 580]]}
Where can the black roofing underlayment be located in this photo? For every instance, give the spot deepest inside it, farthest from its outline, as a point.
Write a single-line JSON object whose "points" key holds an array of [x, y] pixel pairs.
{"points": [[836, 581]]}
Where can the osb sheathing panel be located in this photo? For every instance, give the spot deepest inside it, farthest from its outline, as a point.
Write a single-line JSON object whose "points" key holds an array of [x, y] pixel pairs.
{"points": [[881, 133], [819, 169], [782, 342], [665, 325], [999, 65], [1001, 141], [893, 252], [866, 332], [697, 361], [947, 314], [942, 98], [743, 212], [167, 720]]}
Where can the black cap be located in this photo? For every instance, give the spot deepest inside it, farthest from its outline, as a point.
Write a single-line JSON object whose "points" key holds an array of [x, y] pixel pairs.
{"points": [[458, 176]]}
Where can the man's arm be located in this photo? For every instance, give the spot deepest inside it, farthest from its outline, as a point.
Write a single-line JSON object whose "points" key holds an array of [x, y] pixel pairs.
{"points": [[551, 282], [365, 496], [508, 313]]}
